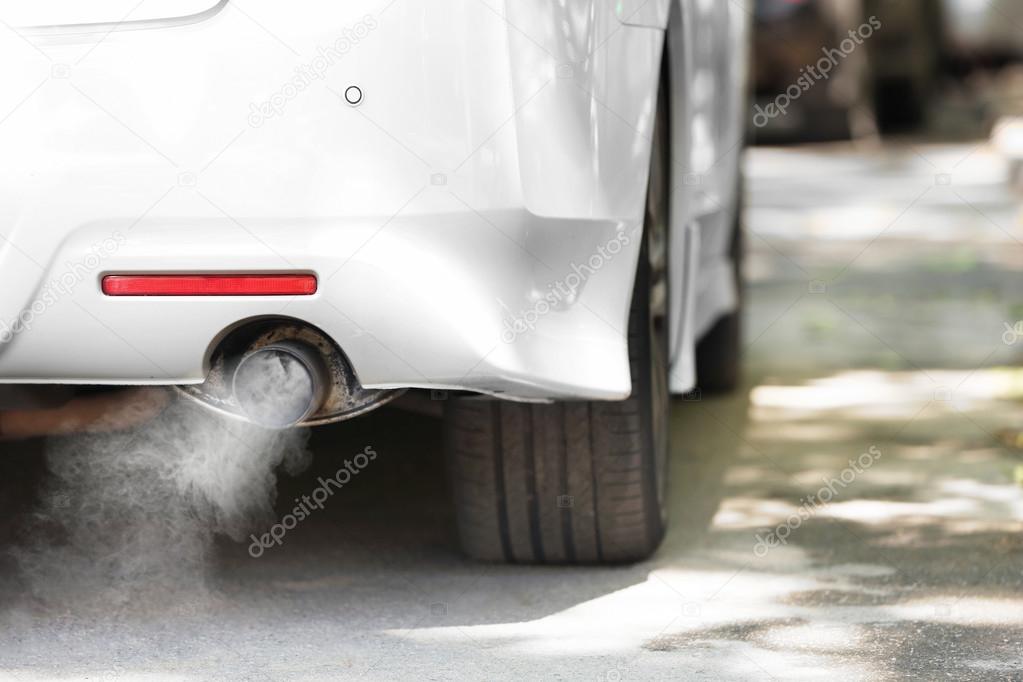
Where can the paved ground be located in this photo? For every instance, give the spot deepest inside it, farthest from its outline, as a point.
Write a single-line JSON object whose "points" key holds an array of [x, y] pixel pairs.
{"points": [[855, 511]]}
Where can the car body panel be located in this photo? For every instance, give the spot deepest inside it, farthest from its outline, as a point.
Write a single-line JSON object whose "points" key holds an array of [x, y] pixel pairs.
{"points": [[650, 13], [495, 158], [97, 15]]}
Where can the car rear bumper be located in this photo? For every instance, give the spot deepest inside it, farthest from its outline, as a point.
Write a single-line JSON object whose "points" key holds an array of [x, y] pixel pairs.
{"points": [[452, 299]]}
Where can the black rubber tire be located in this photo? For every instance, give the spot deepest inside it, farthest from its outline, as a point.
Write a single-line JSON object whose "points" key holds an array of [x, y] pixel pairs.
{"points": [[719, 351], [575, 482]]}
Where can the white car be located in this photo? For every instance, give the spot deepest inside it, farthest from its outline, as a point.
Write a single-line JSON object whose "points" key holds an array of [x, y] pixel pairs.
{"points": [[529, 206]]}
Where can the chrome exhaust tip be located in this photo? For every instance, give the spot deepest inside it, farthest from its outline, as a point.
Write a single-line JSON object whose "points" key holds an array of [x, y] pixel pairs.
{"points": [[281, 373], [280, 385]]}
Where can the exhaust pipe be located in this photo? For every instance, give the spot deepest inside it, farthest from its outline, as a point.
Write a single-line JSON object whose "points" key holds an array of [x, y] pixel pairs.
{"points": [[108, 412], [280, 385], [281, 373], [276, 373]]}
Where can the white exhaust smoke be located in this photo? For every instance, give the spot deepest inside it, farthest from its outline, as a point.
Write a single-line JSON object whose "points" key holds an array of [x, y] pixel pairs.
{"points": [[129, 519]]}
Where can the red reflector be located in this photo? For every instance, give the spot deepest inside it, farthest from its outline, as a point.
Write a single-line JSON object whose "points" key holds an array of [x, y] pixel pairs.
{"points": [[209, 285]]}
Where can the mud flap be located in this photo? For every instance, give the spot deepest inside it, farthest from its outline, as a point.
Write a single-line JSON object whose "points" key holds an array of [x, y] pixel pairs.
{"points": [[685, 249], [647, 13]]}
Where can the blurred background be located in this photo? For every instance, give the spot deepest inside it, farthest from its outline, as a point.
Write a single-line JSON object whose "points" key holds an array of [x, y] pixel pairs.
{"points": [[946, 69], [886, 169]]}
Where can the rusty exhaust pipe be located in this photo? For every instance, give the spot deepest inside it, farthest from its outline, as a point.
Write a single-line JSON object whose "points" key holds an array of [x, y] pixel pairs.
{"points": [[101, 413]]}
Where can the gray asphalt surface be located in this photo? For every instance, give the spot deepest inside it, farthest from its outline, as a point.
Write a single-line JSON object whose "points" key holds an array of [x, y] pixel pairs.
{"points": [[878, 369]]}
